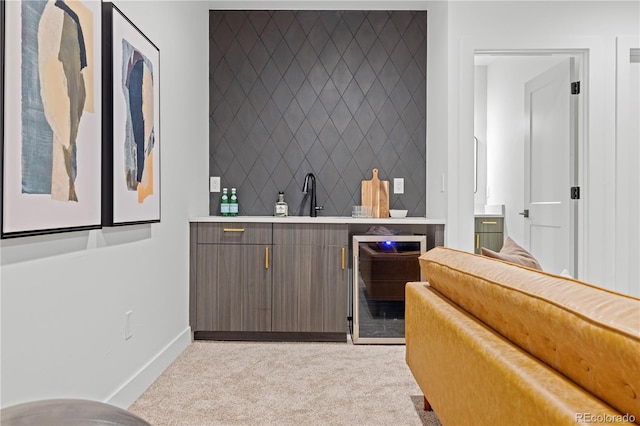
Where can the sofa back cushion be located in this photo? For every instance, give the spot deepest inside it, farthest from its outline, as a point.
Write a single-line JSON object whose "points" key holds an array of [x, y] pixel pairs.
{"points": [[589, 334]]}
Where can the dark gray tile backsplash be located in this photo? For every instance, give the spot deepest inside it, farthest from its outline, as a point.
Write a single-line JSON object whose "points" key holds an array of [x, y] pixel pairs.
{"points": [[335, 93]]}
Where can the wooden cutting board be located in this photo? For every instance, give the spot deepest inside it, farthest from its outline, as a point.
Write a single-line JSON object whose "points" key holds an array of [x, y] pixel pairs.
{"points": [[375, 193]]}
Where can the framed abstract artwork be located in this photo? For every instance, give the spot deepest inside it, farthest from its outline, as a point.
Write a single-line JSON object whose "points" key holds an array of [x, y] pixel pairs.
{"points": [[131, 120], [52, 115]]}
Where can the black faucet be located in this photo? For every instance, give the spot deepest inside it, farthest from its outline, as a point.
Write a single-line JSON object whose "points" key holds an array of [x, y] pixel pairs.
{"points": [[310, 179]]}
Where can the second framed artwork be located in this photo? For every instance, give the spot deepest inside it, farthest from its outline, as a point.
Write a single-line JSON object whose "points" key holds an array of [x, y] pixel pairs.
{"points": [[131, 122]]}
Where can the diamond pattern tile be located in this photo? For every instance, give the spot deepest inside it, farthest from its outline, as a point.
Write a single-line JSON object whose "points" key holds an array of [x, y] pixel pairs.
{"points": [[365, 116], [389, 36], [329, 96], [330, 20], [353, 56], [342, 36], [270, 36], [329, 136], [295, 36], [306, 97], [318, 37], [294, 116], [341, 77], [317, 76], [247, 36], [317, 117], [284, 19], [317, 158], [340, 157], [235, 56], [305, 136], [335, 93], [341, 116], [378, 19], [329, 56], [352, 136], [366, 36], [259, 18], [294, 76], [353, 96], [306, 56], [401, 56]]}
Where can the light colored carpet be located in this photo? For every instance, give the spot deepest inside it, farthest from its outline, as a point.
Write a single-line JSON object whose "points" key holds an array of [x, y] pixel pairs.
{"points": [[251, 383]]}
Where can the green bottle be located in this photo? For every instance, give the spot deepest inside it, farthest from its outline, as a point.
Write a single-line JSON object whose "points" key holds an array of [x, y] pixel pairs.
{"points": [[224, 203], [233, 203]]}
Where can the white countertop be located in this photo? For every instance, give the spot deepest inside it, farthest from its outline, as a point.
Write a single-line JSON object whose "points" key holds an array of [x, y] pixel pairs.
{"points": [[491, 210], [320, 219]]}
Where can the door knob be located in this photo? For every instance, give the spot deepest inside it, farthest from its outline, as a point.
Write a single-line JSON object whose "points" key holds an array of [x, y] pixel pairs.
{"points": [[525, 213]]}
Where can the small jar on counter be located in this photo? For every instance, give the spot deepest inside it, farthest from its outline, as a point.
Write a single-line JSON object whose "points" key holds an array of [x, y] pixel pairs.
{"points": [[281, 208]]}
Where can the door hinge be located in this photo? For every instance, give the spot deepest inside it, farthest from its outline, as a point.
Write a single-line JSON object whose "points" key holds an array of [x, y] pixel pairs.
{"points": [[575, 192], [575, 88]]}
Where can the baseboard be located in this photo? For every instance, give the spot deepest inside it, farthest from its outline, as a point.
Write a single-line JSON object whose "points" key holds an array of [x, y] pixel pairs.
{"points": [[271, 336], [136, 385]]}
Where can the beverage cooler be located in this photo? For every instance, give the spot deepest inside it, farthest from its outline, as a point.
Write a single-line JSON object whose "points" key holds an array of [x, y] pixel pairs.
{"points": [[382, 265]]}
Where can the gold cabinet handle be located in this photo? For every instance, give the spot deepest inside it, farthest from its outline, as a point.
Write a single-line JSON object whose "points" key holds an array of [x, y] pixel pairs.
{"points": [[266, 258], [485, 222], [343, 258], [233, 229], [477, 241]]}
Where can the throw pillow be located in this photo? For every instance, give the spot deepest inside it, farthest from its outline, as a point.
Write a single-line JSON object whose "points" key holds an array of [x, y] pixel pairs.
{"points": [[514, 253]]}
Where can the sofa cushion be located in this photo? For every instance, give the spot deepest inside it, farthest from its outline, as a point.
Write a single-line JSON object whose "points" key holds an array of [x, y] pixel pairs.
{"points": [[589, 334], [514, 253]]}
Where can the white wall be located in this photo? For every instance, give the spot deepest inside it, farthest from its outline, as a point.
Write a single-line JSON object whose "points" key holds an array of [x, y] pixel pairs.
{"points": [[64, 297], [593, 26], [627, 229]]}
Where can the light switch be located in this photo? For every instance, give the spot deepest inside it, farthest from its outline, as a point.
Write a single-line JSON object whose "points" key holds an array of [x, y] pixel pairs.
{"points": [[214, 184], [398, 185]]}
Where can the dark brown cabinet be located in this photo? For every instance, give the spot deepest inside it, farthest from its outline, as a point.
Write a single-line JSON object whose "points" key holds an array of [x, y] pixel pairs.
{"points": [[232, 277], [276, 281]]}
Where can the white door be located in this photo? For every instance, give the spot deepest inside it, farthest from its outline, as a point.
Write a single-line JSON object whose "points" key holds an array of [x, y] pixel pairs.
{"points": [[550, 168]]}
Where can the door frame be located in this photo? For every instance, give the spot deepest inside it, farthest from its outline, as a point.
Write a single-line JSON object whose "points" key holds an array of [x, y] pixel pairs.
{"points": [[578, 158]]}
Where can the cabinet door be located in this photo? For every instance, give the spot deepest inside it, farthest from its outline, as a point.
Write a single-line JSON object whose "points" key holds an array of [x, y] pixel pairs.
{"points": [[206, 287], [491, 240], [234, 288], [309, 282], [295, 300], [330, 274]]}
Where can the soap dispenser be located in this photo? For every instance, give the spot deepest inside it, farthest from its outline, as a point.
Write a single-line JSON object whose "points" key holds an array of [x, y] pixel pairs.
{"points": [[281, 208]]}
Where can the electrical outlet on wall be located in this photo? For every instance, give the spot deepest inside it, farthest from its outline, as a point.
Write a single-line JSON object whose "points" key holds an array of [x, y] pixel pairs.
{"points": [[214, 184], [398, 185]]}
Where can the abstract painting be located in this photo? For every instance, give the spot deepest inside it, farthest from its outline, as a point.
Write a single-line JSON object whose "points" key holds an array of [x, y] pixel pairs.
{"points": [[51, 180], [131, 157]]}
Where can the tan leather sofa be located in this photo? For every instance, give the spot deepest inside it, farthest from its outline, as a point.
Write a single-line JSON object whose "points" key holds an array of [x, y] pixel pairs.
{"points": [[494, 343]]}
